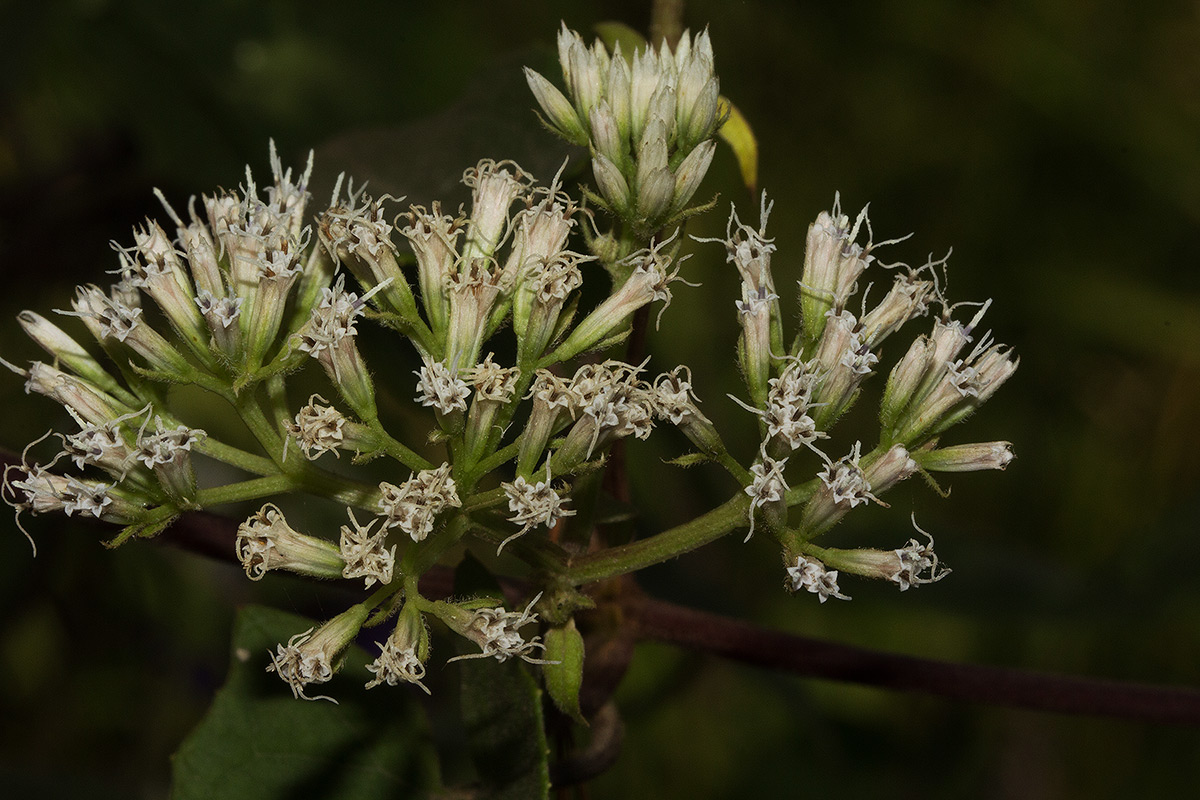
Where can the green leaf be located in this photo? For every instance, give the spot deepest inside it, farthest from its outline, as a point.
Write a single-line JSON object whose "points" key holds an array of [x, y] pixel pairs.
{"points": [[738, 135], [564, 644], [502, 712], [259, 743]]}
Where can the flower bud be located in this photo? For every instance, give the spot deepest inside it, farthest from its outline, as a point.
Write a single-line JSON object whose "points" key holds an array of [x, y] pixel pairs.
{"points": [[691, 172], [966, 457], [553, 400], [77, 395], [313, 657], [612, 184], [328, 336], [606, 138], [66, 351], [833, 262], [905, 378], [266, 542], [560, 115], [906, 300], [403, 654], [655, 193], [494, 187], [494, 386], [433, 238]]}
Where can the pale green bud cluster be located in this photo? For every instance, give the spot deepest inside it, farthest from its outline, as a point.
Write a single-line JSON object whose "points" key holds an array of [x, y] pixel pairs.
{"points": [[647, 120]]}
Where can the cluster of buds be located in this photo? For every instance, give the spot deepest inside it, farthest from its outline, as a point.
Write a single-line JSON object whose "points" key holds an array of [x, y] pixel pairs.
{"points": [[933, 388], [799, 393], [648, 121]]}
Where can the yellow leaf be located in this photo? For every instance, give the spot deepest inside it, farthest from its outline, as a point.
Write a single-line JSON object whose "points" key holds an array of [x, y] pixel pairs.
{"points": [[737, 134]]}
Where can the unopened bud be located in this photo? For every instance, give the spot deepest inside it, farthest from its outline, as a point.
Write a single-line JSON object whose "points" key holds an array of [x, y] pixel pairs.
{"points": [[966, 457], [266, 542]]}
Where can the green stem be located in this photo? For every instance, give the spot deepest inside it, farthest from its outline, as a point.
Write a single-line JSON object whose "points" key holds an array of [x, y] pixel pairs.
{"points": [[252, 415], [245, 490], [740, 473], [236, 457], [532, 548], [486, 465], [426, 553], [706, 528], [488, 499], [396, 449], [315, 480]]}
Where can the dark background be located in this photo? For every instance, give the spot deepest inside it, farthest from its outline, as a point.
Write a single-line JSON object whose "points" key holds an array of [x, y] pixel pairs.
{"points": [[1054, 145]]}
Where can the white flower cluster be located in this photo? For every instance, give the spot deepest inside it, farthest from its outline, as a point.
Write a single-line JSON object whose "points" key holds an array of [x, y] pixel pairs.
{"points": [[497, 632], [441, 389], [365, 552], [914, 560], [397, 663], [46, 491], [317, 428], [493, 382], [299, 663], [845, 479], [767, 487], [533, 504], [413, 505], [812, 576], [165, 445]]}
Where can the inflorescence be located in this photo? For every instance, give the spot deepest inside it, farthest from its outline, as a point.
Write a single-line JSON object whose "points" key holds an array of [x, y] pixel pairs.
{"points": [[245, 289]]}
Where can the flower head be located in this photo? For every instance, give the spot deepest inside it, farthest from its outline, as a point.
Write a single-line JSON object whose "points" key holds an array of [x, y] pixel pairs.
{"points": [[365, 552], [496, 631], [811, 575], [266, 542], [413, 505], [533, 504], [315, 655]]}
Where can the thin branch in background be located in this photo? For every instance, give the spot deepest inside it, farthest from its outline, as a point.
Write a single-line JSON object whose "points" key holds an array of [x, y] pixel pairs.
{"points": [[212, 535], [666, 22], [995, 686], [658, 620]]}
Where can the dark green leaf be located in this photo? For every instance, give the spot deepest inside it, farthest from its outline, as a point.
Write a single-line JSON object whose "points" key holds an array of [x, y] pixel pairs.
{"points": [[473, 579], [502, 712], [259, 743]]}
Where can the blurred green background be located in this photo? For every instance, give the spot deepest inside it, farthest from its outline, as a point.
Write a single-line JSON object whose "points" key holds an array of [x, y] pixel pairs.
{"points": [[1054, 145]]}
